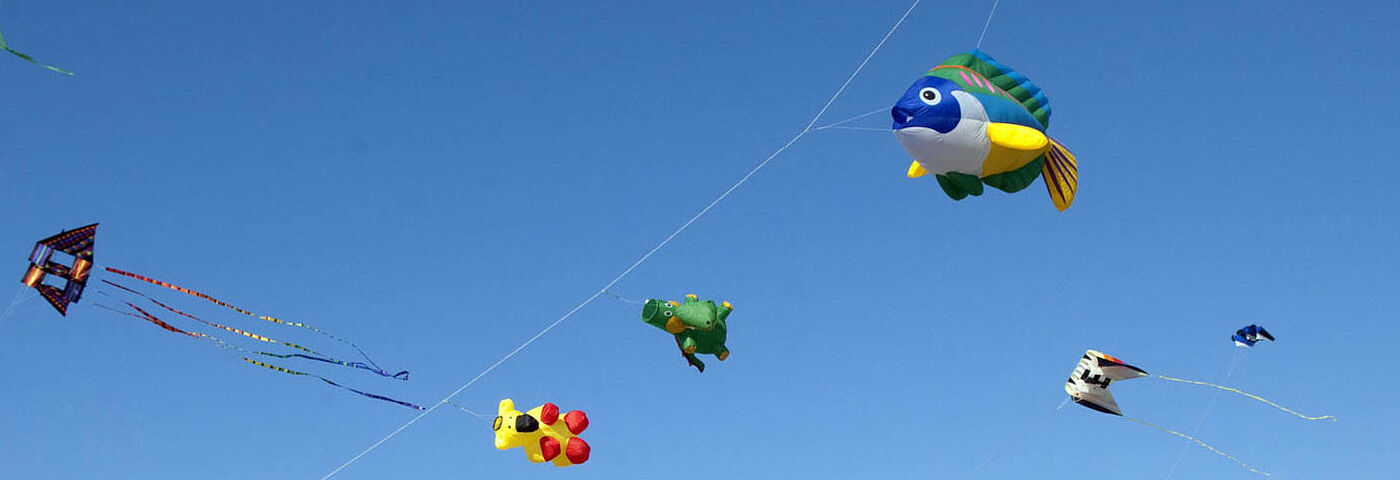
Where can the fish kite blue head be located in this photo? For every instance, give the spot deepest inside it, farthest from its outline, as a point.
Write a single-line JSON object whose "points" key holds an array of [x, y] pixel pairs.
{"points": [[928, 103]]}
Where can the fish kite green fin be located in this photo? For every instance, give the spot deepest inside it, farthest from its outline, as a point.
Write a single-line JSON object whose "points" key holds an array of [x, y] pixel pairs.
{"points": [[1061, 174], [959, 185], [28, 58]]}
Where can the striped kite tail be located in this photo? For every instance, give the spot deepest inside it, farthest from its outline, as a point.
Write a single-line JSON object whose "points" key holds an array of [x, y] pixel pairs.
{"points": [[235, 308]]}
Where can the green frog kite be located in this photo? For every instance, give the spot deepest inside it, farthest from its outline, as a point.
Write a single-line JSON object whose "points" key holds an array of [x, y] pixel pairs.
{"points": [[699, 326]]}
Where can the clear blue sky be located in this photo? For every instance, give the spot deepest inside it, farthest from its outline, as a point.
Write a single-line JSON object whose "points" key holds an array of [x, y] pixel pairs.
{"points": [[440, 181]]}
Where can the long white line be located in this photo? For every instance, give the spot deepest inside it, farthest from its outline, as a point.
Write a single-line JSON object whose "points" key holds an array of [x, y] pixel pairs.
{"points": [[11, 308], [988, 24], [857, 117], [1235, 360], [644, 258]]}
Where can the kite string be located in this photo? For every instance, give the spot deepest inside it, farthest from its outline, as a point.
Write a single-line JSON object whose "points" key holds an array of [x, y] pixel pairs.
{"points": [[1024, 433], [988, 24], [1250, 395], [570, 313], [644, 258], [1203, 444], [852, 119], [445, 400], [1235, 361], [868, 129], [469, 412], [841, 90], [624, 300], [11, 308]]}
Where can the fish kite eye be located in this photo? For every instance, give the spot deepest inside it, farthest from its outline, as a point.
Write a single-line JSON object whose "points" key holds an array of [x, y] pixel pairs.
{"points": [[666, 314], [930, 96]]}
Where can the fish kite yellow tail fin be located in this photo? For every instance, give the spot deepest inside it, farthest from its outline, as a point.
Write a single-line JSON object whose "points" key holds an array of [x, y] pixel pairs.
{"points": [[1249, 395], [1061, 174], [916, 170]]}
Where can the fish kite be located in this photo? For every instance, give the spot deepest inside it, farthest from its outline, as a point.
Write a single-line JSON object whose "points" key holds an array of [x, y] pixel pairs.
{"points": [[1088, 384], [543, 433], [75, 243], [699, 327], [1247, 336], [973, 121]]}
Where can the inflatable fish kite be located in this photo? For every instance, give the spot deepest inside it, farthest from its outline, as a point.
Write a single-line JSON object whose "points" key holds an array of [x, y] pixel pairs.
{"points": [[1088, 385], [1247, 336], [972, 120]]}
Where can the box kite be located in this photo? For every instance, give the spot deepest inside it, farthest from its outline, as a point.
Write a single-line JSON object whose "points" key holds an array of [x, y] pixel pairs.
{"points": [[68, 278]]}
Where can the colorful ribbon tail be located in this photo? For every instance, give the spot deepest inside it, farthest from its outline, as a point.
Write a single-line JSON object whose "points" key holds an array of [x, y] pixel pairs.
{"points": [[147, 316], [328, 381], [227, 305], [377, 397], [359, 365], [314, 355], [31, 59], [402, 375]]}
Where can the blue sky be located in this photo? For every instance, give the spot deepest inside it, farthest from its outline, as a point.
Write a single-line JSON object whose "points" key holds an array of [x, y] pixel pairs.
{"points": [[441, 181]]}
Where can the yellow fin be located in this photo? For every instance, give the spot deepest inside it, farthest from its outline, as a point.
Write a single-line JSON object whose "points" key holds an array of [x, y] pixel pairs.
{"points": [[1013, 146], [1061, 175], [1017, 137], [916, 170]]}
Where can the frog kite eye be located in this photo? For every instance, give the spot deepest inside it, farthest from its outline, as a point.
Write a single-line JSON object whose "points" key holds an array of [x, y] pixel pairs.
{"points": [[973, 121]]}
